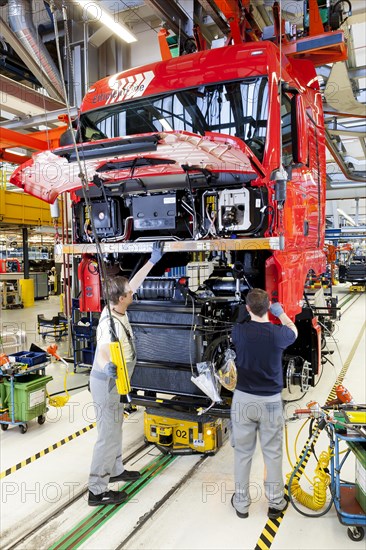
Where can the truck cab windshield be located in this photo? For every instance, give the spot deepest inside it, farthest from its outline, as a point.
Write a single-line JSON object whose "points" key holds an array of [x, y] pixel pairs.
{"points": [[238, 108]]}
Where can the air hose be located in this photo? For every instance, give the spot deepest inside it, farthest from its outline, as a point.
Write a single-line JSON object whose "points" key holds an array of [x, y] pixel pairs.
{"points": [[59, 400], [320, 483]]}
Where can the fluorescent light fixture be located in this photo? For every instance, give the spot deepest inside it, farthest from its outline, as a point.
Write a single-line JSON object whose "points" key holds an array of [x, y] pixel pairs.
{"points": [[97, 14], [17, 151], [346, 217]]}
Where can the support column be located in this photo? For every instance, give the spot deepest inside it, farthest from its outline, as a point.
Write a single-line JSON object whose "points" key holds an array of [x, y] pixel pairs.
{"points": [[25, 253], [357, 215], [27, 284]]}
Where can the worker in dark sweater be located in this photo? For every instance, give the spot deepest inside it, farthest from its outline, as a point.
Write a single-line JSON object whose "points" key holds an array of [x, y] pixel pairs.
{"points": [[257, 402]]}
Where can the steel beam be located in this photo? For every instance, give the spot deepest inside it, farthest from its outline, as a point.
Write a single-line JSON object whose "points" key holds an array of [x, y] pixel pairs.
{"points": [[26, 95], [328, 110], [214, 245], [12, 157], [46, 119], [340, 161], [348, 191], [209, 7], [9, 138], [357, 72], [339, 130]]}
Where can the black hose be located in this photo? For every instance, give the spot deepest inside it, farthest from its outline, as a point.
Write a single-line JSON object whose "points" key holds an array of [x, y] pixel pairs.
{"points": [[69, 390]]}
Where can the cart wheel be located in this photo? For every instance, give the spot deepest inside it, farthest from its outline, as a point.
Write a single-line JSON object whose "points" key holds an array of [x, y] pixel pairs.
{"points": [[23, 428], [356, 533], [4, 427], [41, 419]]}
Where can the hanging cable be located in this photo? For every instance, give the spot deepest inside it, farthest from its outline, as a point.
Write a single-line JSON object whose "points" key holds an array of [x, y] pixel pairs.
{"points": [[281, 174], [82, 175]]}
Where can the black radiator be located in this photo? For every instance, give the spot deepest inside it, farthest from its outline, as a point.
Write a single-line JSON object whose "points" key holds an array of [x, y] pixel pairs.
{"points": [[166, 346]]}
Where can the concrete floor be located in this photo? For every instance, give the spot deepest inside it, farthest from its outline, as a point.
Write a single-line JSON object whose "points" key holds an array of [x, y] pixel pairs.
{"points": [[198, 513]]}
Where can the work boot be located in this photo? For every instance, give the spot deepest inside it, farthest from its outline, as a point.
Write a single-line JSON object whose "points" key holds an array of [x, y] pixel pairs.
{"points": [[108, 497], [126, 475], [275, 513], [239, 514]]}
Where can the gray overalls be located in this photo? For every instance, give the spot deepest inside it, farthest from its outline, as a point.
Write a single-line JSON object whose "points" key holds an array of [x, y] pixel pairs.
{"points": [[107, 454]]}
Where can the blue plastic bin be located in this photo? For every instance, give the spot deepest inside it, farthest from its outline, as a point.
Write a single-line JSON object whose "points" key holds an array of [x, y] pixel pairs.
{"points": [[30, 358]]}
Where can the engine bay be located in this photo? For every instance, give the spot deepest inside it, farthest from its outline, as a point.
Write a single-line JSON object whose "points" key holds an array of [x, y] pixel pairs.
{"points": [[186, 213]]}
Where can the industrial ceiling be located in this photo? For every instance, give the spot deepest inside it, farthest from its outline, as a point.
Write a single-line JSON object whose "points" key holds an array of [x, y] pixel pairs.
{"points": [[31, 85]]}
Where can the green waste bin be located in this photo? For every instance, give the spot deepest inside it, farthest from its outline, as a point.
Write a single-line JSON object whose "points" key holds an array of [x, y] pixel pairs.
{"points": [[29, 396], [3, 399], [359, 450]]}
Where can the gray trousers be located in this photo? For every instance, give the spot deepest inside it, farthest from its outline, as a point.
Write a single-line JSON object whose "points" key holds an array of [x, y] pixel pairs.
{"points": [[107, 453], [263, 414]]}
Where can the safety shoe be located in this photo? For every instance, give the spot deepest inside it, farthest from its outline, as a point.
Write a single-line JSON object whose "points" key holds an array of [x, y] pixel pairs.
{"points": [[108, 497], [126, 475], [274, 513], [239, 514]]}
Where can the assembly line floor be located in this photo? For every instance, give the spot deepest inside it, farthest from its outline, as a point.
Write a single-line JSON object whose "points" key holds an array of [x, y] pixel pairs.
{"points": [[184, 501]]}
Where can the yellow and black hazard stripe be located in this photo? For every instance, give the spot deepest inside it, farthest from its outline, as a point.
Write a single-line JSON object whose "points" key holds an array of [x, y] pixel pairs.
{"points": [[268, 534], [343, 372], [46, 451], [270, 529]]}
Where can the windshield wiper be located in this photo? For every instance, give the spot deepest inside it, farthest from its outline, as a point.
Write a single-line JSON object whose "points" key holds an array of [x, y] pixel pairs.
{"points": [[110, 148]]}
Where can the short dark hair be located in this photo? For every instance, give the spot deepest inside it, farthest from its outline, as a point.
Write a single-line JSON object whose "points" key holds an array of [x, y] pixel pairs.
{"points": [[116, 287], [258, 301]]}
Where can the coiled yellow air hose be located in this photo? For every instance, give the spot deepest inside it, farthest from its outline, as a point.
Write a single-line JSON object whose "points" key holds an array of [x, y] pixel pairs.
{"points": [[321, 481]]}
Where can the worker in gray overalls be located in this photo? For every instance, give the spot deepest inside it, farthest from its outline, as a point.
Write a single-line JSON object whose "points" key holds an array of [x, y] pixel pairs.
{"points": [[107, 465]]}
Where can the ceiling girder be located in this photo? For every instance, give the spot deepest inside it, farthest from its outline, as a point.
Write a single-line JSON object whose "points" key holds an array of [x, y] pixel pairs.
{"points": [[210, 8], [25, 95], [13, 158], [46, 119], [328, 110], [346, 191], [9, 138], [175, 18], [353, 176], [336, 129], [357, 72]]}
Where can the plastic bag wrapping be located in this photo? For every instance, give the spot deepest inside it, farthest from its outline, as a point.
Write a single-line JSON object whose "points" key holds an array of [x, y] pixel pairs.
{"points": [[207, 383], [227, 374]]}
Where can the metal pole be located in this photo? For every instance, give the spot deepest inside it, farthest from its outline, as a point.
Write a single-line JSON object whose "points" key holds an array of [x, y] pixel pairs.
{"points": [[357, 215], [25, 253], [86, 57]]}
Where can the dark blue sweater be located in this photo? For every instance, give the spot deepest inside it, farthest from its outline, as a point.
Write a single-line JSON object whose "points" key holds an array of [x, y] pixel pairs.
{"points": [[259, 348]]}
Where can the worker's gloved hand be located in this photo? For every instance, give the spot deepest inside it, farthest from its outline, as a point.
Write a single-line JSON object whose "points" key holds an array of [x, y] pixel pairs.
{"points": [[111, 370], [157, 252], [276, 309]]}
